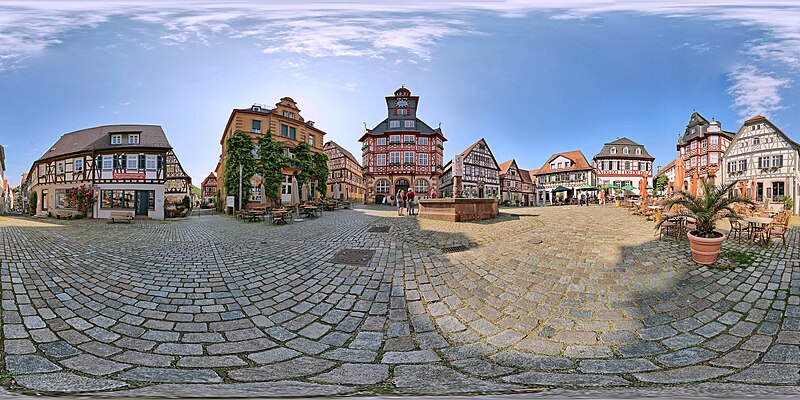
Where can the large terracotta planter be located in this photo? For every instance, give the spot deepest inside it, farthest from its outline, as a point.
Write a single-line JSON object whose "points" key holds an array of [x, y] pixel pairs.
{"points": [[705, 250]]}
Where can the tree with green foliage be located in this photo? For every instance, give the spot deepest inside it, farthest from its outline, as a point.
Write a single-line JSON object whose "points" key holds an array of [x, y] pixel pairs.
{"points": [[271, 160], [239, 151], [661, 183], [320, 173], [33, 201], [304, 161]]}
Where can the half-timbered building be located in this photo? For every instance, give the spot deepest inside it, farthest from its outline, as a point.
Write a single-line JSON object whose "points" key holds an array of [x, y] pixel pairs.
{"points": [[481, 173], [701, 145], [208, 190], [516, 184], [131, 168], [402, 151], [345, 179], [569, 170], [287, 127], [763, 162], [623, 162]]}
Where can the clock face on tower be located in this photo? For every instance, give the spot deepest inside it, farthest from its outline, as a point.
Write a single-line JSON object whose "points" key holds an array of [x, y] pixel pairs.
{"points": [[401, 103]]}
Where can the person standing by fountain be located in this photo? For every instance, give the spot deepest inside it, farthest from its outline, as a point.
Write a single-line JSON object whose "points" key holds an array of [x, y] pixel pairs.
{"points": [[410, 201], [400, 199]]}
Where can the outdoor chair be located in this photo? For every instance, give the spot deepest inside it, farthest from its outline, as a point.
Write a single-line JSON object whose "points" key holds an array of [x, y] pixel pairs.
{"points": [[778, 229], [738, 227], [667, 227]]}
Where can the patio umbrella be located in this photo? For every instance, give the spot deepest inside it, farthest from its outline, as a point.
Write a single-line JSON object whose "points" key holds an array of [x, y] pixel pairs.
{"points": [[587, 187], [336, 191], [680, 174], [693, 186], [643, 187], [295, 194], [628, 187], [560, 189], [753, 187], [305, 192]]}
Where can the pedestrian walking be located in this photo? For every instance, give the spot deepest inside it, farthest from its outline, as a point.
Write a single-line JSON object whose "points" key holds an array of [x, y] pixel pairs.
{"points": [[400, 200], [410, 201]]}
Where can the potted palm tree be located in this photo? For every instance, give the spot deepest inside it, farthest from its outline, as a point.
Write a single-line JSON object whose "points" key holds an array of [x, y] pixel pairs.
{"points": [[714, 204]]}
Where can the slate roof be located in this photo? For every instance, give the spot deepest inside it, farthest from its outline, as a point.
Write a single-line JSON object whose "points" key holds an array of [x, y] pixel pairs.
{"points": [[621, 143], [420, 127], [700, 125], [99, 138], [579, 163]]}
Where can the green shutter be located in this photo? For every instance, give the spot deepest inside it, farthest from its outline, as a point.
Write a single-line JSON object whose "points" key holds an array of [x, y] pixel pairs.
{"points": [[142, 161], [284, 130], [124, 162], [160, 162], [116, 161], [292, 133]]}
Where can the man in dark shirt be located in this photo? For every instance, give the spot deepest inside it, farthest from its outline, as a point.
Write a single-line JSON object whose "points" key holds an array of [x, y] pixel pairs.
{"points": [[410, 201]]}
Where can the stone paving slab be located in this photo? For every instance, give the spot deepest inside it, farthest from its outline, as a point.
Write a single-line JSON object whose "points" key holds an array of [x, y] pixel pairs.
{"points": [[66, 382], [189, 301]]}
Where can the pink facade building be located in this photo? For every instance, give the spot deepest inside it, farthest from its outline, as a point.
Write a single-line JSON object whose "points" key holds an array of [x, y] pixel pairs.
{"points": [[401, 152]]}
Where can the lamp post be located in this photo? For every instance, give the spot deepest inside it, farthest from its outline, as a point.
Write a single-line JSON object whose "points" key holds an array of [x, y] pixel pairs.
{"points": [[240, 187]]}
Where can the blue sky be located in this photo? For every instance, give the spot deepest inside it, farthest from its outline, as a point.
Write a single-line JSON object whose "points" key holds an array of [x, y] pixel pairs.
{"points": [[533, 78]]}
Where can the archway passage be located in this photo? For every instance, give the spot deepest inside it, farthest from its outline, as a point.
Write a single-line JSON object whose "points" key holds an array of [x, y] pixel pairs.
{"points": [[401, 184]]}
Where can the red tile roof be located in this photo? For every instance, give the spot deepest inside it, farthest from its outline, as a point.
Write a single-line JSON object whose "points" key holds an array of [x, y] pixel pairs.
{"points": [[504, 166], [579, 162], [757, 117], [525, 175], [666, 167]]}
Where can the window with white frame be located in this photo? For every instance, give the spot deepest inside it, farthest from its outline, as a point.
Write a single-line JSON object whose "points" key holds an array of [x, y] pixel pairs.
{"points": [[423, 158], [382, 186], [381, 160], [409, 123], [394, 123], [777, 161], [394, 157], [704, 143], [625, 150], [381, 141], [408, 139], [423, 141], [133, 139], [78, 165], [151, 162], [311, 141], [394, 139], [613, 150], [408, 157], [116, 139], [60, 167], [421, 186], [713, 158], [108, 162], [638, 151], [713, 140], [132, 162]]}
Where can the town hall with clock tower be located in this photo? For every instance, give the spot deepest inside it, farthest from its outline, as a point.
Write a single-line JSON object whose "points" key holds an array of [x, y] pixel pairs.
{"points": [[401, 152]]}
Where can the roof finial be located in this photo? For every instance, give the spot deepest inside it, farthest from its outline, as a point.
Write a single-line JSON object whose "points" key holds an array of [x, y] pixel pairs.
{"points": [[365, 125], [440, 125]]}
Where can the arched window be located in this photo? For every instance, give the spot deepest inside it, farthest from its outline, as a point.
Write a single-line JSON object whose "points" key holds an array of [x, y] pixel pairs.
{"points": [[625, 151], [613, 150], [638, 151], [382, 186], [421, 186]]}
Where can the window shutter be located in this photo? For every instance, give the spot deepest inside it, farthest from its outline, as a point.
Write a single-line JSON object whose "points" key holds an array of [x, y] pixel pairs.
{"points": [[99, 163], [142, 160], [124, 163], [116, 161], [160, 162]]}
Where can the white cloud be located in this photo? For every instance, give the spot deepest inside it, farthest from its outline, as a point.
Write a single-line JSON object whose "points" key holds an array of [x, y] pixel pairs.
{"points": [[755, 92], [350, 86]]}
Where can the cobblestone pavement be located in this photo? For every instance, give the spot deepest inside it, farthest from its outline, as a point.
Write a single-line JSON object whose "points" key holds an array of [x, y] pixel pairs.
{"points": [[540, 297]]}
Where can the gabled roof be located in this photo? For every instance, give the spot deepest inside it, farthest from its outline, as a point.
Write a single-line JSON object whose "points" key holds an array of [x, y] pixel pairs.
{"points": [[209, 177], [697, 128], [579, 163], [99, 138], [525, 175], [666, 167], [472, 147], [765, 120], [620, 144], [342, 149], [506, 165]]}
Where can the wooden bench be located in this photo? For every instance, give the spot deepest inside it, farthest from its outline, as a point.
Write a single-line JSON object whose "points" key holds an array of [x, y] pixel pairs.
{"points": [[115, 216], [66, 214]]}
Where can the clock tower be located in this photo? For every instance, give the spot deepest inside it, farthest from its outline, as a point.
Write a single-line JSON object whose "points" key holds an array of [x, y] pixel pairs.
{"points": [[402, 105]]}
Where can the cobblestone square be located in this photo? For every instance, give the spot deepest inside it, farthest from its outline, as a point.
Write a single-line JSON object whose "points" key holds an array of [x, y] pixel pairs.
{"points": [[540, 297]]}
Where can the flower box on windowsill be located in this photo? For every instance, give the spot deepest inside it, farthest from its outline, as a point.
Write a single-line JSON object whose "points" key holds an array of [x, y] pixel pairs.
{"points": [[394, 164], [408, 142], [394, 142], [440, 146], [408, 164]]}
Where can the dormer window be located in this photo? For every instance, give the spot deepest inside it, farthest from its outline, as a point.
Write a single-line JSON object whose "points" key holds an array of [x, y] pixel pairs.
{"points": [[638, 152], [116, 139], [133, 139], [256, 108], [613, 150], [394, 124], [626, 151]]}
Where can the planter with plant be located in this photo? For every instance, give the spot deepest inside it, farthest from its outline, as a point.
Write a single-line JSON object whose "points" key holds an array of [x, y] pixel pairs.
{"points": [[706, 209]]}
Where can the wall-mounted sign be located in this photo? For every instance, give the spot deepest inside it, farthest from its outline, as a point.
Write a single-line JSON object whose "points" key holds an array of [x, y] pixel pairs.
{"points": [[229, 201], [129, 175]]}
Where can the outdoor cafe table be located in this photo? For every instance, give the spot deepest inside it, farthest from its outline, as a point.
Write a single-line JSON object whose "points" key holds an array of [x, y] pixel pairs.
{"points": [[309, 211], [279, 216], [761, 222], [252, 216]]}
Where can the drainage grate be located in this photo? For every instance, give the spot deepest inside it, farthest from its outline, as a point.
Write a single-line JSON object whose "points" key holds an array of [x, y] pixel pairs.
{"points": [[353, 257], [379, 229], [455, 249]]}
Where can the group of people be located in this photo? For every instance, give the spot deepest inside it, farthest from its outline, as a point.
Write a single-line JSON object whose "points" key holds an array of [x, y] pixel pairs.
{"points": [[404, 200]]}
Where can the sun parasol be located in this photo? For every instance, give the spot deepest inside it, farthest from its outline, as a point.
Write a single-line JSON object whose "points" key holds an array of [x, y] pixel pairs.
{"points": [[693, 187], [680, 174], [753, 188]]}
